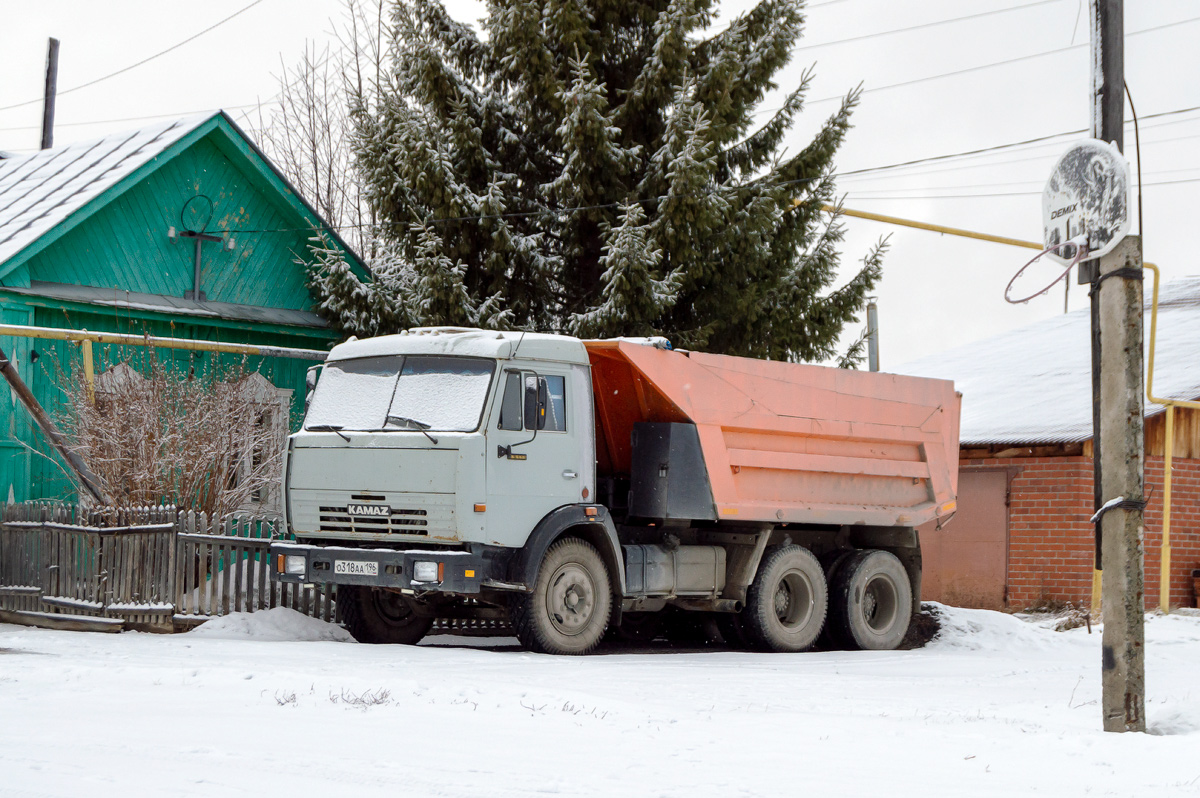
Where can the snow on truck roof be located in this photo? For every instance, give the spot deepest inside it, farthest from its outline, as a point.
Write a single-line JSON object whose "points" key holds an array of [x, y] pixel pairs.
{"points": [[1034, 384], [466, 342]]}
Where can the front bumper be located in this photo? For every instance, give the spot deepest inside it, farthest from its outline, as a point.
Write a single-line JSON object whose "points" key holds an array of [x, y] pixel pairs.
{"points": [[466, 572]]}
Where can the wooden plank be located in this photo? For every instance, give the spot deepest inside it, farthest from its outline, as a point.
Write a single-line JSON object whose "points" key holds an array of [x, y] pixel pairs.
{"points": [[224, 565], [262, 567], [204, 603], [68, 623], [19, 590], [129, 566], [185, 564], [235, 576], [252, 543]]}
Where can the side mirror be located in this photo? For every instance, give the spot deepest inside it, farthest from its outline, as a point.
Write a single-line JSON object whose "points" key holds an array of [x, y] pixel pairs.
{"points": [[310, 384], [537, 397], [543, 399]]}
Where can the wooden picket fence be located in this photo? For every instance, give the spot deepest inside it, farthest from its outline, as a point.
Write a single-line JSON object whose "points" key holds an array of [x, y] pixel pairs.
{"points": [[154, 569], [150, 568]]}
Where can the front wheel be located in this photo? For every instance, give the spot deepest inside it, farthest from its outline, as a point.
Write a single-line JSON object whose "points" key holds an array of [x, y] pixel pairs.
{"points": [[786, 602], [872, 601], [569, 607], [372, 615]]}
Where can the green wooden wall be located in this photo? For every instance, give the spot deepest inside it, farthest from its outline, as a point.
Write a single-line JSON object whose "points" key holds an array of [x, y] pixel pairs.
{"points": [[125, 246], [38, 474]]}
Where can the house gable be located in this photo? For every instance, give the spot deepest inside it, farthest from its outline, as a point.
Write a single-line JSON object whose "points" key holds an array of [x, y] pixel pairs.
{"points": [[119, 239]]}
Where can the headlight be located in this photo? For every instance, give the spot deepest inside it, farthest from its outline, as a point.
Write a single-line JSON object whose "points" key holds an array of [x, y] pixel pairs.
{"points": [[295, 565], [425, 572]]}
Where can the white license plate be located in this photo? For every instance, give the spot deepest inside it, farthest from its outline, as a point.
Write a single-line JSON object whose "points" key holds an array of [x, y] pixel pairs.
{"points": [[356, 567]]}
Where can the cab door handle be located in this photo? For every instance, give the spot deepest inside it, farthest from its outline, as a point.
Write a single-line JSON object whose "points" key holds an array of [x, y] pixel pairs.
{"points": [[569, 474]]}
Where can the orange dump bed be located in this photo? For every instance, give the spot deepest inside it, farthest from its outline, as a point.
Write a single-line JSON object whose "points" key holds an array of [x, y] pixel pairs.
{"points": [[785, 442]]}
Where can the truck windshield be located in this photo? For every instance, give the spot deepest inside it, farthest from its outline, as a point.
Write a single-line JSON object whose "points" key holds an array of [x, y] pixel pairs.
{"points": [[395, 393]]}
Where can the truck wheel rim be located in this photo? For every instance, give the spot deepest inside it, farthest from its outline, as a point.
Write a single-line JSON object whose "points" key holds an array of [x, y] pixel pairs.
{"points": [[793, 601], [881, 602], [571, 599]]}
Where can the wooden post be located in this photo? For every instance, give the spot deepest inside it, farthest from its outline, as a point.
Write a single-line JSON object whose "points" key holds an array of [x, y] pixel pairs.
{"points": [[1122, 434], [88, 480], [89, 369], [50, 95]]}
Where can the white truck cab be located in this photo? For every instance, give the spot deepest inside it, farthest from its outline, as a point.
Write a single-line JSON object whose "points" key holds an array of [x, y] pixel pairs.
{"points": [[400, 440]]}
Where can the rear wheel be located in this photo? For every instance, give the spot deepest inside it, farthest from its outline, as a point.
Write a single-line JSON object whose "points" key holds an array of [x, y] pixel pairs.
{"points": [[872, 601], [372, 615], [569, 607], [786, 602]]}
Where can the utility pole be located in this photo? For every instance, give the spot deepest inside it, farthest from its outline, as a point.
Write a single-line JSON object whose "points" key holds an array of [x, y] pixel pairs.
{"points": [[50, 94], [1117, 392]]}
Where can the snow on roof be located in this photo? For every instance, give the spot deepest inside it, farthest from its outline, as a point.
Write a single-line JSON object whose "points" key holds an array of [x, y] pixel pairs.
{"points": [[40, 190], [1034, 385], [466, 342]]}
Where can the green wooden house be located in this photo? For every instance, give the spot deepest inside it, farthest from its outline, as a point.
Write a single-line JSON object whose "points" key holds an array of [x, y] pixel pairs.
{"points": [[102, 236]]}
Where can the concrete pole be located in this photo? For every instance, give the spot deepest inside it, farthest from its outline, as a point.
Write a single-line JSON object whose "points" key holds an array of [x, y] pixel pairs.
{"points": [[872, 334], [1122, 437], [1117, 394]]}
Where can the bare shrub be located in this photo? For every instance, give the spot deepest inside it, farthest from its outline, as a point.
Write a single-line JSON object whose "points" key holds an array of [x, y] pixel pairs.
{"points": [[200, 440]]}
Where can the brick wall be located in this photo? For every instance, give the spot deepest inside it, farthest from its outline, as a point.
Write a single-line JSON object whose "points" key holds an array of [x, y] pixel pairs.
{"points": [[1050, 544]]}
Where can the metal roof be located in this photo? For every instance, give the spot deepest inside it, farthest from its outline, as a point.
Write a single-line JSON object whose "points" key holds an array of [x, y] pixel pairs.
{"points": [[40, 190], [1034, 385], [132, 300]]}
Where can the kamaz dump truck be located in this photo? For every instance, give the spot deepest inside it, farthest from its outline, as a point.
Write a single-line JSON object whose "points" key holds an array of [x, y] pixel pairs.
{"points": [[574, 487]]}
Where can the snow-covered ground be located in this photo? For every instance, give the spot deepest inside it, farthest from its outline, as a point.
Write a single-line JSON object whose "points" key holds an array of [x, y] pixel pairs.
{"points": [[276, 704]]}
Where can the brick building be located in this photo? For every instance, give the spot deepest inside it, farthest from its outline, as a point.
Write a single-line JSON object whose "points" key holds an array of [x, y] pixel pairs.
{"points": [[1021, 536]]}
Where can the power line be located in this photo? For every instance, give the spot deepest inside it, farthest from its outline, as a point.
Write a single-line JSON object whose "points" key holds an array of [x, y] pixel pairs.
{"points": [[178, 114], [146, 60], [1005, 162], [804, 47], [999, 147], [986, 195], [1035, 182], [980, 67]]}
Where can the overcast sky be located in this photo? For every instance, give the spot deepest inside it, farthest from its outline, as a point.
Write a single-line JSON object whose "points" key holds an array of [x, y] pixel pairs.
{"points": [[972, 74]]}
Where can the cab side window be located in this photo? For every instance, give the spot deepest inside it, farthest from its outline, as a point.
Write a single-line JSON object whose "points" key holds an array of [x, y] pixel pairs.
{"points": [[556, 407], [510, 402], [527, 393]]}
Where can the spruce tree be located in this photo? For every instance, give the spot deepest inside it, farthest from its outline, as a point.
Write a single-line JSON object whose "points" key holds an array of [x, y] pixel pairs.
{"points": [[602, 168]]}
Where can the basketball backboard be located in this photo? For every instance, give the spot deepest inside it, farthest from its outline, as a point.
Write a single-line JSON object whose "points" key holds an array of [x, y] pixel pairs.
{"points": [[1088, 192]]}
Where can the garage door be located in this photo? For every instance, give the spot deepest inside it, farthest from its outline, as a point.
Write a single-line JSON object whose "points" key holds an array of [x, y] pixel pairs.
{"points": [[965, 564]]}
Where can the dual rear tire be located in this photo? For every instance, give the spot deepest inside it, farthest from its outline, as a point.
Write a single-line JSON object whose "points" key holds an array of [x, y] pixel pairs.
{"points": [[866, 605], [874, 598]]}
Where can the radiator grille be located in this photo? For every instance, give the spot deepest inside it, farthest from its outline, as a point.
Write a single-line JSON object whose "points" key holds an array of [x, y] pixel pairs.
{"points": [[407, 521]]}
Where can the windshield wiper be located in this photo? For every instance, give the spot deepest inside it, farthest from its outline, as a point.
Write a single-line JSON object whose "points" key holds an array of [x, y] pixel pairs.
{"points": [[412, 422], [329, 428]]}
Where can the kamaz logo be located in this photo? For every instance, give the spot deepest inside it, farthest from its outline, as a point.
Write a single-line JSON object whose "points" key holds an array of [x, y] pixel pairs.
{"points": [[373, 510], [1063, 211]]}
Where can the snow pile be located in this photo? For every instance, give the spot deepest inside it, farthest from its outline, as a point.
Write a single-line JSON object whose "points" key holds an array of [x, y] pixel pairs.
{"points": [[275, 625], [987, 631]]}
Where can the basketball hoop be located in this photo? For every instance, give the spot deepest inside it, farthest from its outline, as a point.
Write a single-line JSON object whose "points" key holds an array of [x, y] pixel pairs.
{"points": [[1085, 209], [1076, 249]]}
